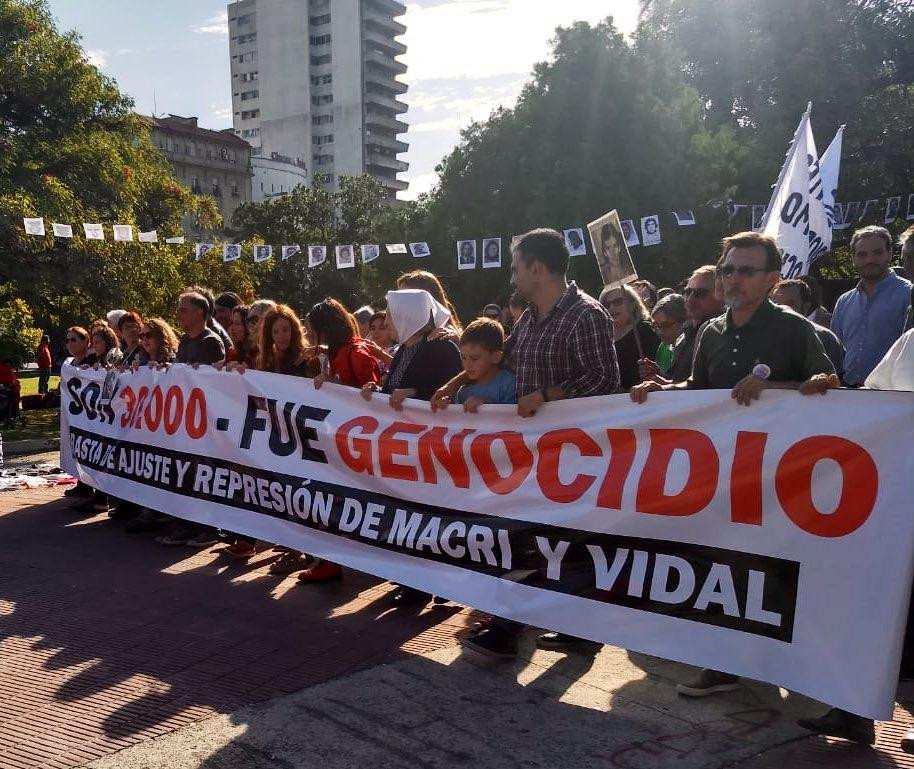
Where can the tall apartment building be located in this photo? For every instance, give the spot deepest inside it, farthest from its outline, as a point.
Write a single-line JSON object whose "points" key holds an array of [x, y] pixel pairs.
{"points": [[314, 87]]}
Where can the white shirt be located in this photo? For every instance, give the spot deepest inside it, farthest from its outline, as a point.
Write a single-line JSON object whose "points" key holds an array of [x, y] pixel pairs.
{"points": [[896, 370]]}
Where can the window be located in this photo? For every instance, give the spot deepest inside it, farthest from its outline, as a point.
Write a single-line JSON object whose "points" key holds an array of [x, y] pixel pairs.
{"points": [[325, 139], [247, 38], [324, 178], [324, 59], [322, 79], [246, 20], [241, 58], [250, 114], [320, 39], [194, 184], [249, 77], [234, 190], [326, 98], [317, 21], [249, 133], [321, 119], [322, 160], [247, 95]]}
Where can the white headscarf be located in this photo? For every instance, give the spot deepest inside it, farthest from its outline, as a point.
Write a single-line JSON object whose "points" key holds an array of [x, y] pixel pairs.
{"points": [[411, 309]]}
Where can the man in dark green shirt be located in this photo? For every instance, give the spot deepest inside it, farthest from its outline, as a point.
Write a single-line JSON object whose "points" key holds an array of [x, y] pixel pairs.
{"points": [[756, 345]]}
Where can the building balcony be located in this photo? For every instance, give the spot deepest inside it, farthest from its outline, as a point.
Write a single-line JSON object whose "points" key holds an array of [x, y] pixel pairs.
{"points": [[382, 40], [391, 7], [384, 120], [382, 79], [387, 102], [392, 184], [382, 21], [376, 159], [374, 140], [384, 61]]}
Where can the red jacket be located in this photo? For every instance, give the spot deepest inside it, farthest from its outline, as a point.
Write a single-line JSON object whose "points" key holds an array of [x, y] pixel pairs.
{"points": [[43, 356], [354, 365]]}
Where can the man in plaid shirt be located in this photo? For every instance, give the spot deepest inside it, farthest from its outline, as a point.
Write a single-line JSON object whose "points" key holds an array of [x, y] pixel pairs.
{"points": [[561, 347]]}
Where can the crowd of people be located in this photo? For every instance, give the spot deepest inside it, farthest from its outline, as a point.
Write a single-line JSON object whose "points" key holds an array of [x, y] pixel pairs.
{"points": [[733, 325]]}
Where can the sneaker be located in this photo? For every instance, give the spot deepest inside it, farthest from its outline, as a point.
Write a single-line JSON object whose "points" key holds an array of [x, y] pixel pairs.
{"points": [[179, 536], [147, 520], [563, 642], [203, 539], [241, 549], [708, 682], [846, 726], [907, 742], [409, 596], [324, 571], [492, 641]]}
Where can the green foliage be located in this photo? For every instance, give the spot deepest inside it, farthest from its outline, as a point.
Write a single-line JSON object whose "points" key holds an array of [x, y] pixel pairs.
{"points": [[355, 215], [72, 150], [698, 107], [18, 337]]}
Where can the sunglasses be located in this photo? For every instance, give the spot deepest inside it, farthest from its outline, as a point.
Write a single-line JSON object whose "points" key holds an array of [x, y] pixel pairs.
{"points": [[698, 293], [744, 271]]}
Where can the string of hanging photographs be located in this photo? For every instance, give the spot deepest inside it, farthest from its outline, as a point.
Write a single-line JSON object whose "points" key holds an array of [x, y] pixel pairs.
{"points": [[648, 234]]}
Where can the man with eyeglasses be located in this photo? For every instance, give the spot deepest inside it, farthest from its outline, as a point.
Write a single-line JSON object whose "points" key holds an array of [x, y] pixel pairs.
{"points": [[702, 304], [754, 346]]}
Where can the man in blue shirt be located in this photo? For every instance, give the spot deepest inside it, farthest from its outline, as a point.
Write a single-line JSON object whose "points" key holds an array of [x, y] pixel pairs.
{"points": [[869, 319]]}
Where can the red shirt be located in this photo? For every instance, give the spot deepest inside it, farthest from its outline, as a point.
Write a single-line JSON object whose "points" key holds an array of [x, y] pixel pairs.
{"points": [[8, 375], [354, 365], [43, 356]]}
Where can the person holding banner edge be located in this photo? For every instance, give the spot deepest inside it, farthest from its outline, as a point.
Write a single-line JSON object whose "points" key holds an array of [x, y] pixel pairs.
{"points": [[561, 347], [756, 345]]}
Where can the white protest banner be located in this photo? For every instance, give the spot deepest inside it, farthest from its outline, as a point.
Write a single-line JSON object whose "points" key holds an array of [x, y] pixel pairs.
{"points": [[370, 252], [610, 247], [317, 255], [149, 237], [123, 232], [796, 215], [202, 249], [396, 248], [94, 231], [262, 253], [231, 252], [33, 225], [62, 230], [289, 251], [176, 239], [774, 541]]}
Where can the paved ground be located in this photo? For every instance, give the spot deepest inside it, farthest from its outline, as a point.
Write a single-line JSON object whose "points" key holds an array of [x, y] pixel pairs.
{"points": [[121, 654]]}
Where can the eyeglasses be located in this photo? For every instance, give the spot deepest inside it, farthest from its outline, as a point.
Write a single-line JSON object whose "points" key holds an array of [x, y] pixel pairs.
{"points": [[744, 271], [698, 293]]}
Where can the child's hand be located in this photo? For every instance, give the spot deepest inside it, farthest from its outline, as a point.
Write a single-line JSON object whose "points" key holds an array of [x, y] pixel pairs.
{"points": [[440, 400], [471, 405]]}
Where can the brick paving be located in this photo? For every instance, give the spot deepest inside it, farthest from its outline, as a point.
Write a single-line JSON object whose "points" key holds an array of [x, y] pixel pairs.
{"points": [[107, 640]]}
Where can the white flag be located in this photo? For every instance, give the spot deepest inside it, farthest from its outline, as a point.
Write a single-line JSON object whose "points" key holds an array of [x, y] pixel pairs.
{"points": [[396, 248], [123, 232], [202, 249], [176, 239], [94, 231], [288, 251], [796, 215], [262, 253], [34, 226], [830, 170], [149, 237], [62, 230]]}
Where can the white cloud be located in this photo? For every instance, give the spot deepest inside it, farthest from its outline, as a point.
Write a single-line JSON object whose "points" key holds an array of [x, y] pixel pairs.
{"points": [[97, 57], [215, 25], [418, 185], [222, 114]]}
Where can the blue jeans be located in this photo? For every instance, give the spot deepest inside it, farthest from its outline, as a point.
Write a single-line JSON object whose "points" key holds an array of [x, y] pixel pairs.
{"points": [[44, 374]]}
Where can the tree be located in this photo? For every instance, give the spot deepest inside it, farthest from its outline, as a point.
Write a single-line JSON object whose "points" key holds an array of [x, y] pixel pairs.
{"points": [[72, 150], [18, 337]]}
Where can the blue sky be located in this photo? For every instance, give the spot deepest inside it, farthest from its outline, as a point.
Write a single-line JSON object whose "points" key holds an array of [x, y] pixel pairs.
{"points": [[465, 58]]}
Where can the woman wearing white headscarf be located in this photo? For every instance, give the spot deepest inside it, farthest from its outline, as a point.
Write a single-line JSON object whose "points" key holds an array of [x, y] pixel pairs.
{"points": [[420, 366], [418, 369]]}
